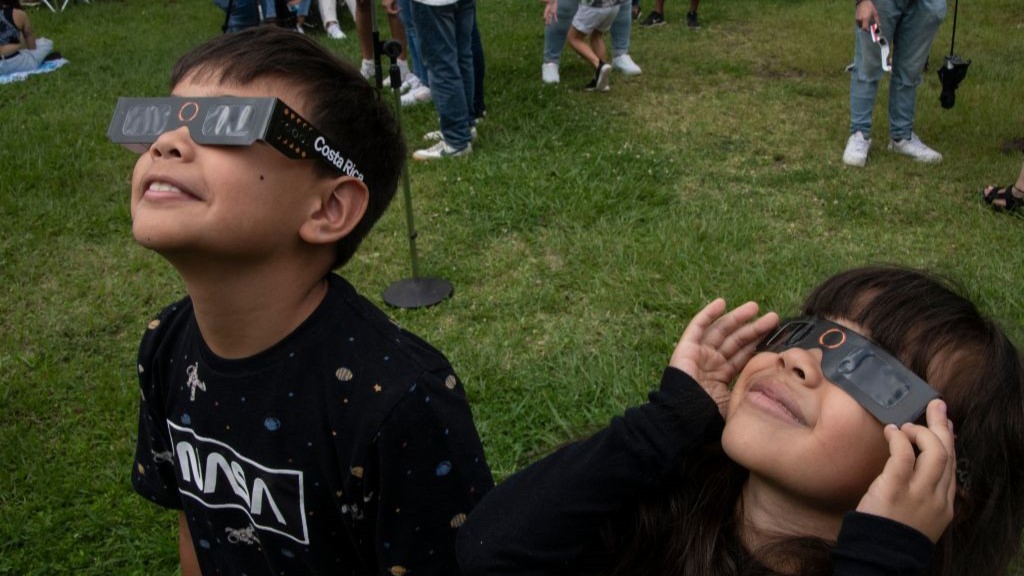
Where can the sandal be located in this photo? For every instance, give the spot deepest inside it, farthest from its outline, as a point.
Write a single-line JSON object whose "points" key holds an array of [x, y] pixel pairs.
{"points": [[1010, 201]]}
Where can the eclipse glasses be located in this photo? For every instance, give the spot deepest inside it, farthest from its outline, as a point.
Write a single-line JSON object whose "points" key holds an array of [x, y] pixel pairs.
{"points": [[877, 381], [225, 121], [883, 46]]}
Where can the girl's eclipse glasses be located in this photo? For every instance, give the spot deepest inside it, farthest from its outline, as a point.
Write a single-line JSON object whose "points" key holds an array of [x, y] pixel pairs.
{"points": [[877, 381]]}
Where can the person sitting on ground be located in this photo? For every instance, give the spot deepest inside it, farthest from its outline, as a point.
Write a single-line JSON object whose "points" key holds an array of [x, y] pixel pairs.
{"points": [[556, 29], [1009, 198], [296, 428], [816, 460], [586, 35], [20, 50]]}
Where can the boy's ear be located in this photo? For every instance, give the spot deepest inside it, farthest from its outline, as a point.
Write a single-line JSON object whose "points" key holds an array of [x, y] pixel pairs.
{"points": [[341, 206]]}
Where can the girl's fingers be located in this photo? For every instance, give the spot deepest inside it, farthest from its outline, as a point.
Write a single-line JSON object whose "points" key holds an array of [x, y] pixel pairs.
{"points": [[726, 326], [935, 467], [742, 347], [939, 424], [937, 445], [694, 331], [743, 341], [900, 465]]}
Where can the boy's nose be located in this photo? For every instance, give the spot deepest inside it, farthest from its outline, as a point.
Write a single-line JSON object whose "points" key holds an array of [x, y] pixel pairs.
{"points": [[173, 144]]}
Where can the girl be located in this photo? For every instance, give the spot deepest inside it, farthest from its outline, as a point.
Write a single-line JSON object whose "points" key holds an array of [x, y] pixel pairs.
{"points": [[799, 477], [20, 51]]}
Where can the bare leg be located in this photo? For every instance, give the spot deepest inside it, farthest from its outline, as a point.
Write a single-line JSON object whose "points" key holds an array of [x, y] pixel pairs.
{"points": [[578, 42], [597, 44], [397, 33], [364, 29]]}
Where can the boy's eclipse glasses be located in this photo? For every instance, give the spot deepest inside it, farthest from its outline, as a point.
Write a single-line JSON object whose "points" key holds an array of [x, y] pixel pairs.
{"points": [[225, 121], [877, 381]]}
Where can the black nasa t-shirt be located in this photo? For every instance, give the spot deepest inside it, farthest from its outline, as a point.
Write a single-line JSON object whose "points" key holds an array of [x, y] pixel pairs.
{"points": [[346, 448]]}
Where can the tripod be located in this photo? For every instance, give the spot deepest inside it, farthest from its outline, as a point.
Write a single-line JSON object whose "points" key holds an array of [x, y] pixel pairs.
{"points": [[417, 291]]}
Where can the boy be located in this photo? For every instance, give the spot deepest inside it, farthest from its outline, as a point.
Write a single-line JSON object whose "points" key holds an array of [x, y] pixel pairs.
{"points": [[295, 427], [593, 18]]}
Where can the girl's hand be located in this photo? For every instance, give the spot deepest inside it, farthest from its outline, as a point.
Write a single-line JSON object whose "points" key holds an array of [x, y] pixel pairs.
{"points": [[715, 347], [917, 490]]}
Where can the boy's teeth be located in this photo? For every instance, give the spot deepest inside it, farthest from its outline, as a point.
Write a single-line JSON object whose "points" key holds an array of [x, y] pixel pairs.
{"points": [[161, 187]]}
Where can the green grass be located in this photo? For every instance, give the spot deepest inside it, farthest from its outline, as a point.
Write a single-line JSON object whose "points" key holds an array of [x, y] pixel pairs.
{"points": [[580, 236]]}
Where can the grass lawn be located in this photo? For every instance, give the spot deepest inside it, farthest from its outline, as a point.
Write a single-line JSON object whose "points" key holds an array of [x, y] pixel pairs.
{"points": [[580, 236]]}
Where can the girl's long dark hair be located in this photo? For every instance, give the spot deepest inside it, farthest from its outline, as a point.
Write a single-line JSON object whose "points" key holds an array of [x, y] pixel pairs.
{"points": [[689, 526]]}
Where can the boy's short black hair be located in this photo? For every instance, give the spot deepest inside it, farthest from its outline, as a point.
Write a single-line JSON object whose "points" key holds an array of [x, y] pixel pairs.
{"points": [[339, 102]]}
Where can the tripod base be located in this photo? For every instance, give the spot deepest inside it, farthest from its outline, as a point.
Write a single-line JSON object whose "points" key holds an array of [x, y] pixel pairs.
{"points": [[417, 292]]}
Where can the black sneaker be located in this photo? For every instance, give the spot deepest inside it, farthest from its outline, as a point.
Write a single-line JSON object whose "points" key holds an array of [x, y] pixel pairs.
{"points": [[691, 20], [599, 82], [653, 19]]}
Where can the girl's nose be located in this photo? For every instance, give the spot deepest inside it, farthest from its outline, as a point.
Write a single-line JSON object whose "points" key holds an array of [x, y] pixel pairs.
{"points": [[805, 364]]}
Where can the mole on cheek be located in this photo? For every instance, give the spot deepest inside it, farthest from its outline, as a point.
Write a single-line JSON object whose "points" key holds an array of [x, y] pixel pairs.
{"points": [[261, 176]]}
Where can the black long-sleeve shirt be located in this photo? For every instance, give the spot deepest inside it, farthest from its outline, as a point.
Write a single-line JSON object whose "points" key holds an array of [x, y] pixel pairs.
{"points": [[541, 520]]}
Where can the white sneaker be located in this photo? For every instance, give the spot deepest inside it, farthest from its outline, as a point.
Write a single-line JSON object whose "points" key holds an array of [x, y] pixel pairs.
{"points": [[367, 69], [334, 31], [623, 63], [436, 135], [298, 28], [441, 150], [856, 153], [411, 83], [549, 73], [916, 149], [417, 96]]}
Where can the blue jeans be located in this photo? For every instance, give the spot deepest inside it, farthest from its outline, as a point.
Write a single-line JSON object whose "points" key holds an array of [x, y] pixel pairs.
{"points": [[412, 40], [556, 32], [910, 27], [244, 14], [446, 41], [478, 108], [270, 8]]}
